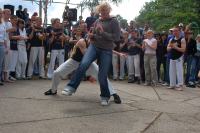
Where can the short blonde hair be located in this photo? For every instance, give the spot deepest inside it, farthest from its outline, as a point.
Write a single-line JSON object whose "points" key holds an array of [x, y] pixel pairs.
{"points": [[103, 6], [198, 36], [150, 31], [6, 11]]}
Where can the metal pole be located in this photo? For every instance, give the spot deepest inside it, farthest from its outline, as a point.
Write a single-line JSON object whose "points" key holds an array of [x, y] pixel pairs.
{"points": [[40, 8], [45, 16], [81, 9]]}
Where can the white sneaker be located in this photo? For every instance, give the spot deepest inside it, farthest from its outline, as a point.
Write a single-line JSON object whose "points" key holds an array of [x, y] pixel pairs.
{"points": [[165, 84], [179, 89], [67, 92], [12, 78], [171, 87], [104, 102]]}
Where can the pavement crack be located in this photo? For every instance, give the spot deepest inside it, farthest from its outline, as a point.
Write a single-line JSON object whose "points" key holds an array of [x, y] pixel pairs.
{"points": [[190, 99], [159, 98], [40, 99], [132, 94], [59, 118], [151, 123]]}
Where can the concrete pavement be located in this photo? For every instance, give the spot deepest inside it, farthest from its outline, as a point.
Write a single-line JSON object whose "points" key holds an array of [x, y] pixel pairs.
{"points": [[24, 109]]}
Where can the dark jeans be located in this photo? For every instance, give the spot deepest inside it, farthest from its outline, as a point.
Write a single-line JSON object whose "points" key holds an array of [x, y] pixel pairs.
{"points": [[2, 54], [191, 69], [167, 70], [197, 67], [104, 58], [142, 71], [161, 61]]}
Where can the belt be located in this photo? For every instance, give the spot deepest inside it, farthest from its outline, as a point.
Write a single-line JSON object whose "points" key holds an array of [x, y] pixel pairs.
{"points": [[1, 43]]}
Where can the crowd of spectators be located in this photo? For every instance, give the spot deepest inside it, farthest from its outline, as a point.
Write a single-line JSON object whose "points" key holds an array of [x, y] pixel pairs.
{"points": [[141, 56]]}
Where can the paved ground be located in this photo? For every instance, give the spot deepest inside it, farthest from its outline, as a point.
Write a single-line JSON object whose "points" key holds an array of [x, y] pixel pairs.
{"points": [[24, 109]]}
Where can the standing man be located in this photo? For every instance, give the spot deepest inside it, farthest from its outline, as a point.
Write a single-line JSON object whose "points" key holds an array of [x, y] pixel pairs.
{"points": [[106, 31], [56, 41], [90, 20], [19, 12], [177, 47], [134, 48], [3, 45], [8, 25], [36, 36]]}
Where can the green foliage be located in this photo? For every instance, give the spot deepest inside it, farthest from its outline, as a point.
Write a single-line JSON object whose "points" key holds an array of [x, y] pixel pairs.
{"points": [[164, 14], [123, 22], [90, 4]]}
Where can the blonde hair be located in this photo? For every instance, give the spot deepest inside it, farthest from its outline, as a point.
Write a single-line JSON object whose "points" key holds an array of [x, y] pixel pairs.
{"points": [[150, 31], [198, 36], [38, 18], [55, 19], [6, 11], [103, 6]]}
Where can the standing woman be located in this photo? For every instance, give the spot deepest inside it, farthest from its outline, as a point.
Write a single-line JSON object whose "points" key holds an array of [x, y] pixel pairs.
{"points": [[22, 54], [106, 31], [3, 45], [176, 46], [191, 49], [14, 36], [123, 50], [149, 47]]}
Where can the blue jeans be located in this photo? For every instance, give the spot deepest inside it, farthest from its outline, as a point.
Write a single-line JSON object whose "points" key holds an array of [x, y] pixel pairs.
{"points": [[2, 54], [191, 69], [104, 58]]}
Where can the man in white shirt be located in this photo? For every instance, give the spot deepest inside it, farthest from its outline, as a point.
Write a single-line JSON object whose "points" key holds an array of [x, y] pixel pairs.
{"points": [[8, 26]]}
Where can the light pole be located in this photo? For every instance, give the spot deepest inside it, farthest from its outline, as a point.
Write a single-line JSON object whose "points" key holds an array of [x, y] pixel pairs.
{"points": [[42, 3]]}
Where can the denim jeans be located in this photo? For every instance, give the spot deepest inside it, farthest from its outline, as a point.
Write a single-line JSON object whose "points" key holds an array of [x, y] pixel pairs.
{"points": [[2, 54], [197, 67], [104, 58], [160, 61], [167, 70], [191, 69]]}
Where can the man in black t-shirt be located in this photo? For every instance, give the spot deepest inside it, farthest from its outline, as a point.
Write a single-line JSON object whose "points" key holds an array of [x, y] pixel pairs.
{"points": [[19, 12], [36, 36], [90, 20], [134, 49]]}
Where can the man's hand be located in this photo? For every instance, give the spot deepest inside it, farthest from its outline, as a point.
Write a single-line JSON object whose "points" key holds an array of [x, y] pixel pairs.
{"points": [[90, 35], [99, 28], [6, 50]]}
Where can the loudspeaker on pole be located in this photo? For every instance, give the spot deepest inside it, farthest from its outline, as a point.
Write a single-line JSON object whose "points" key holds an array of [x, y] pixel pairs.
{"points": [[11, 7]]}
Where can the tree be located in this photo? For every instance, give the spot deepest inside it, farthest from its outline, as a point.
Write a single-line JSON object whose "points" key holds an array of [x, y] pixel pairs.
{"points": [[164, 14], [90, 4]]}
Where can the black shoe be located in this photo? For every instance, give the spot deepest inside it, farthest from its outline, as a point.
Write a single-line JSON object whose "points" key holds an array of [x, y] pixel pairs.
{"points": [[49, 92], [41, 77], [117, 99], [131, 81], [191, 85], [138, 82], [1, 83]]}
